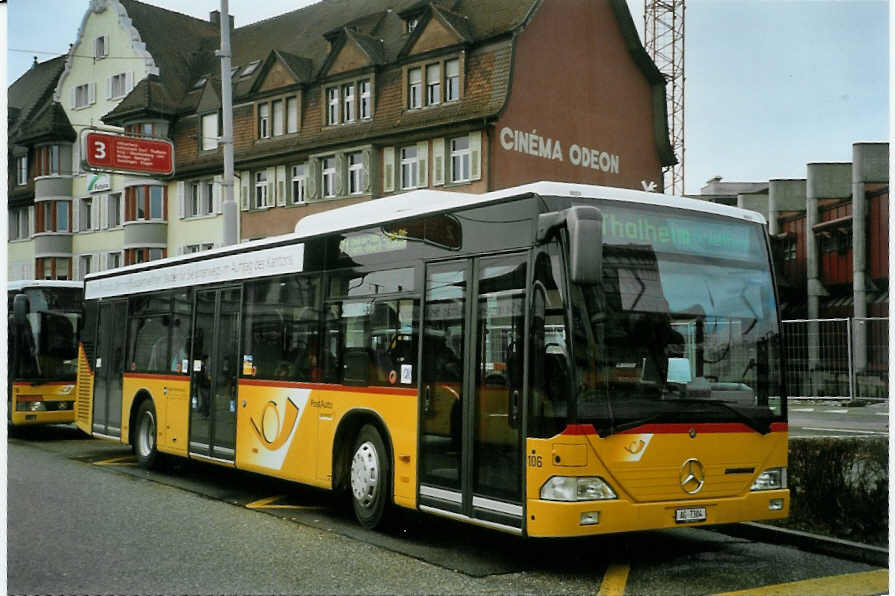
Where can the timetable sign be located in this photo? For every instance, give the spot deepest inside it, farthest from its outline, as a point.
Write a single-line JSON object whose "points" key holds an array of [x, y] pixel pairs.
{"points": [[133, 155]]}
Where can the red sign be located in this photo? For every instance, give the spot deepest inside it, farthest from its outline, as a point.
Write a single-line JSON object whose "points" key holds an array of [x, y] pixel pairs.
{"points": [[137, 155]]}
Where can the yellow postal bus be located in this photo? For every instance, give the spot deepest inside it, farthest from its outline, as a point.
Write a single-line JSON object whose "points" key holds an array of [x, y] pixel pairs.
{"points": [[547, 360], [43, 319]]}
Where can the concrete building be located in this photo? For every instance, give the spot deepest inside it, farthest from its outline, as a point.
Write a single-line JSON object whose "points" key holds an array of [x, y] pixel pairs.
{"points": [[830, 232]]}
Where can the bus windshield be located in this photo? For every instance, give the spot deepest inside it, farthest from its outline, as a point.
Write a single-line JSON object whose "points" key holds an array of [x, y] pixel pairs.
{"points": [[49, 346], [682, 328]]}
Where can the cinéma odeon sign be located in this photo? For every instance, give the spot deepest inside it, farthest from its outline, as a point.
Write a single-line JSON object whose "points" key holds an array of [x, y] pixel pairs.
{"points": [[259, 263], [531, 143]]}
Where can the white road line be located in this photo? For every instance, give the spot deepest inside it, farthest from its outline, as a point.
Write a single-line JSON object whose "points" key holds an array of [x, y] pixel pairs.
{"points": [[846, 430], [881, 413], [836, 411], [801, 409]]}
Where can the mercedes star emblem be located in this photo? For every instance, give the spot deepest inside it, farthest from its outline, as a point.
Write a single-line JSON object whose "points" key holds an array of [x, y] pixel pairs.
{"points": [[692, 476]]}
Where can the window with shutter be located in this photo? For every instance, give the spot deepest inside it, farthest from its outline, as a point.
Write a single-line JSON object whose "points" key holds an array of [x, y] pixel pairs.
{"points": [[422, 151], [388, 169], [437, 162]]}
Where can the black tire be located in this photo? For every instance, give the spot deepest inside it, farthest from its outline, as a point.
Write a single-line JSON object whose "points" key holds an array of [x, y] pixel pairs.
{"points": [[146, 436], [369, 478]]}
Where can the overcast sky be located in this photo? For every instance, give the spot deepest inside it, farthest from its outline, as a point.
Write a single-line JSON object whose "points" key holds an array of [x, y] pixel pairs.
{"points": [[770, 85]]}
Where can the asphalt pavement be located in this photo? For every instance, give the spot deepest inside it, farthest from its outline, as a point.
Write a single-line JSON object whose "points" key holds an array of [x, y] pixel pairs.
{"points": [[821, 418], [82, 518]]}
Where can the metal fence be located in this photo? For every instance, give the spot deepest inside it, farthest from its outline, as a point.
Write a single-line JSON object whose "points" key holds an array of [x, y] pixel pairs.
{"points": [[841, 359]]}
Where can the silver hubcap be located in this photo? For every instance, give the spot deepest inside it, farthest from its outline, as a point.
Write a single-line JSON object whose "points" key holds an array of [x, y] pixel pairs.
{"points": [[146, 434], [365, 474]]}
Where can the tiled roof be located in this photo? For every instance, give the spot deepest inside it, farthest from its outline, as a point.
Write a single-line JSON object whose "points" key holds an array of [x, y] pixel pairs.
{"points": [[182, 46], [50, 123], [149, 96], [301, 38], [31, 91]]}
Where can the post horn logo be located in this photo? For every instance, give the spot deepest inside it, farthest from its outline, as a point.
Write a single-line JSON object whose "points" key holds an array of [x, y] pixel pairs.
{"points": [[692, 476], [270, 432]]}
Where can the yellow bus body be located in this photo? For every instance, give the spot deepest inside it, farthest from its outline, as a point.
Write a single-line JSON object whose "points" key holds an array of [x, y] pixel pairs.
{"points": [[26, 395], [644, 468], [285, 429]]}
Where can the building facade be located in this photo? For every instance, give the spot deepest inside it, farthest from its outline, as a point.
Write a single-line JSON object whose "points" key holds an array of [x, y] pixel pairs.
{"points": [[338, 103]]}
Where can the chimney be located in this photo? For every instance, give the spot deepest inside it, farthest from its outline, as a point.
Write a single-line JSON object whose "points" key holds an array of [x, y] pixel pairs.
{"points": [[35, 62]]}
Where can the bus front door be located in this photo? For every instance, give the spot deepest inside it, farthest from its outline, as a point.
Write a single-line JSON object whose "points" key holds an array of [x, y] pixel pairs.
{"points": [[109, 368], [213, 380], [472, 389]]}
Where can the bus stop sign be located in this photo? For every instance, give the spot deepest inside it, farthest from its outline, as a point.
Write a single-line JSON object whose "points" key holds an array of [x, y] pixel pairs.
{"points": [[134, 155]]}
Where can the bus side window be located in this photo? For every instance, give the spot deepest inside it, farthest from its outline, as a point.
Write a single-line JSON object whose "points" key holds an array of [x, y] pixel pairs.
{"points": [[280, 331], [372, 343]]}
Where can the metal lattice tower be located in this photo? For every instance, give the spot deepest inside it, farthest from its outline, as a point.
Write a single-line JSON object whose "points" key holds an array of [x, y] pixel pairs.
{"points": [[663, 32]]}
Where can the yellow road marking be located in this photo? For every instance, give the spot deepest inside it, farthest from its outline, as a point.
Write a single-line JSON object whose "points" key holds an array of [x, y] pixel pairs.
{"points": [[126, 460], [850, 584], [266, 504], [614, 580]]}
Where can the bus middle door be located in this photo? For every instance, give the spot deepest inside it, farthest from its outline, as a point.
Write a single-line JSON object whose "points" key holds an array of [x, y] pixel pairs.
{"points": [[214, 374], [472, 389]]}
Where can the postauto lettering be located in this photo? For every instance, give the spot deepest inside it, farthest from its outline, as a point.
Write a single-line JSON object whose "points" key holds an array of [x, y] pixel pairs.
{"points": [[697, 235]]}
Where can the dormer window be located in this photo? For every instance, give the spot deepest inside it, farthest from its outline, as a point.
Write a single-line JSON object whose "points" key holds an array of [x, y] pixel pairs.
{"points": [[200, 83], [332, 105], [452, 80], [277, 116], [415, 88], [412, 23], [348, 105], [432, 84], [349, 102], [263, 121]]}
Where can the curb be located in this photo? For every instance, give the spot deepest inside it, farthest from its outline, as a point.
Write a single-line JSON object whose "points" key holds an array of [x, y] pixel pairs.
{"points": [[815, 543]]}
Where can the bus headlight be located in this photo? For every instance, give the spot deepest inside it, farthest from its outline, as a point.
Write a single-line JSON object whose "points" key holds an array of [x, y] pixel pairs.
{"points": [[31, 406], [574, 488], [770, 479]]}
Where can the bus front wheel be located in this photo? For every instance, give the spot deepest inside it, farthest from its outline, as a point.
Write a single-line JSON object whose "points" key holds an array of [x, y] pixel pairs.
{"points": [[370, 476], [145, 436]]}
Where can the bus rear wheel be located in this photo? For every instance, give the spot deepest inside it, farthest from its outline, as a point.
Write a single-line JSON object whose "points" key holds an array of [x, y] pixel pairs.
{"points": [[145, 433], [370, 477]]}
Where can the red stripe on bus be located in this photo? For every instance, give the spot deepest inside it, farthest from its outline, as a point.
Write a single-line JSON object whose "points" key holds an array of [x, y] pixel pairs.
{"points": [[329, 387], [579, 429], [155, 377], [48, 383], [710, 427], [657, 429]]}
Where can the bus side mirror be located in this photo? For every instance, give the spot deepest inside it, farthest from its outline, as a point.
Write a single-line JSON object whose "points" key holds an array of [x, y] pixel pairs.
{"points": [[21, 306], [585, 226]]}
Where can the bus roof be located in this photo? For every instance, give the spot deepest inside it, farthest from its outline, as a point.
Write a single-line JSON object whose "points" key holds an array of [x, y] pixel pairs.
{"points": [[414, 204], [424, 202], [43, 283]]}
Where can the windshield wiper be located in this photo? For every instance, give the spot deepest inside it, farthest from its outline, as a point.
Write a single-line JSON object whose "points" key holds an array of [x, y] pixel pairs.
{"points": [[760, 425], [617, 428]]}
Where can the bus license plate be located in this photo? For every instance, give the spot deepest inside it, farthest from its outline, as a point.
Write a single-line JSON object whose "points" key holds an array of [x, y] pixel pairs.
{"points": [[689, 514]]}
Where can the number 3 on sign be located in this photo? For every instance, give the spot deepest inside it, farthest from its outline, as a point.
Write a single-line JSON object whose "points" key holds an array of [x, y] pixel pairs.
{"points": [[99, 149]]}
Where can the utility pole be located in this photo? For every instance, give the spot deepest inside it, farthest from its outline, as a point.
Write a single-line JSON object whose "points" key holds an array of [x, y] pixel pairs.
{"points": [[230, 212]]}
